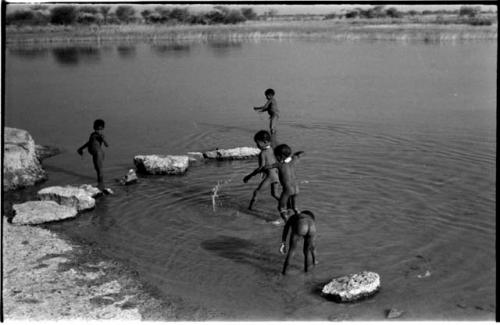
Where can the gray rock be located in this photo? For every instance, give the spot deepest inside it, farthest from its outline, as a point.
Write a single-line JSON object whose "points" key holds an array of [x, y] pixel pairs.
{"points": [[81, 198], [37, 212], [195, 156], [230, 154], [129, 178], [352, 287], [162, 164], [394, 313], [21, 167]]}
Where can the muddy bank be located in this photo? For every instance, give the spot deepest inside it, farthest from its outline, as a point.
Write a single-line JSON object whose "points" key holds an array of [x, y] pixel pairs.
{"points": [[46, 277]]}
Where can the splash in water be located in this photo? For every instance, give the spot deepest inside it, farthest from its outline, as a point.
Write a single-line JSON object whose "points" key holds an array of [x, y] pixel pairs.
{"points": [[215, 191]]}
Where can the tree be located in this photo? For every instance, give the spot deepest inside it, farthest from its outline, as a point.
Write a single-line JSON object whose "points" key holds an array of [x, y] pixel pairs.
{"points": [[179, 14], [104, 10], [469, 11], [63, 15], [393, 13], [249, 13], [125, 14], [234, 17]]}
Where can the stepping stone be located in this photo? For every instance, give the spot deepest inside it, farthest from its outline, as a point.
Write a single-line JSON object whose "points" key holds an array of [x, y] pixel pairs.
{"points": [[37, 212], [352, 287], [232, 154], [162, 164], [81, 198]]}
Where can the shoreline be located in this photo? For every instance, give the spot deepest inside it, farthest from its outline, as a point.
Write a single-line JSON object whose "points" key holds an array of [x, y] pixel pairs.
{"points": [[322, 30], [49, 277]]}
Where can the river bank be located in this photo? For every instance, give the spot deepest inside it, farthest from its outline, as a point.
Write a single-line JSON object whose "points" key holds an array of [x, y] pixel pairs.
{"points": [[47, 277], [328, 30]]}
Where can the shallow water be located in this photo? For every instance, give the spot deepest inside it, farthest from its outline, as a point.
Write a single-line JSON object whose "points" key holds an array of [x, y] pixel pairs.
{"points": [[399, 167]]}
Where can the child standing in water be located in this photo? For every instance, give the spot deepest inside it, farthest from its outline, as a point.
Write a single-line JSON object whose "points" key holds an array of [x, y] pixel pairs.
{"points": [[266, 157], [271, 107], [302, 225], [94, 147]]}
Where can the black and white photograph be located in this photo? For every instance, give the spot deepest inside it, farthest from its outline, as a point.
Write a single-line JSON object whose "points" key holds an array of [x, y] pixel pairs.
{"points": [[249, 161]]}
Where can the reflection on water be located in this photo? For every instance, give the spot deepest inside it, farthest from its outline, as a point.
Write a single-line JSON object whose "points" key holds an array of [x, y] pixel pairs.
{"points": [[126, 51], [223, 48], [75, 54], [169, 49], [29, 53]]}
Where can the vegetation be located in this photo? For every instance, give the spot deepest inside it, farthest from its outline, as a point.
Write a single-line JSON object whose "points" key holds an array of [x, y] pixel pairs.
{"points": [[37, 15]]}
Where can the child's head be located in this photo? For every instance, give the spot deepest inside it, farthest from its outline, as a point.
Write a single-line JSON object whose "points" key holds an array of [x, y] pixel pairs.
{"points": [[269, 93], [98, 124], [262, 139], [282, 152]]}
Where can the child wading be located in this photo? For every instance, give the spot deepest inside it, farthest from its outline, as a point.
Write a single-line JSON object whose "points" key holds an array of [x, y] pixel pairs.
{"points": [[94, 147], [266, 157], [271, 107]]}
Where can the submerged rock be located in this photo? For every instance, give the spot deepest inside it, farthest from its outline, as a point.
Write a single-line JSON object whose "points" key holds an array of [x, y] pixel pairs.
{"points": [[128, 179], [21, 166], [81, 198], [162, 164], [44, 152], [352, 287], [37, 212], [195, 156], [394, 313], [230, 154]]}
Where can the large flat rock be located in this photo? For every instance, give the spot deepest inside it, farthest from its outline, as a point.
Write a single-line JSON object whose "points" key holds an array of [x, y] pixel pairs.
{"points": [[352, 287], [232, 154], [21, 166], [37, 212], [81, 198], [162, 164]]}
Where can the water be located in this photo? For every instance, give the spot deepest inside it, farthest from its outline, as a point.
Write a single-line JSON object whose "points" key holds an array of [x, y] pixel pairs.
{"points": [[399, 167]]}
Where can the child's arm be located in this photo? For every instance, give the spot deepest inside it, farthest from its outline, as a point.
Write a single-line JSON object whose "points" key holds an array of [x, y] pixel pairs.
{"points": [[80, 150], [263, 108], [256, 171], [296, 155], [104, 140]]}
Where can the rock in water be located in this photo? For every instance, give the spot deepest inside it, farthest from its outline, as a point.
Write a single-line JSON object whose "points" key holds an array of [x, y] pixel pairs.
{"points": [[353, 286], [130, 178], [394, 313], [230, 154], [21, 166], [81, 198], [36, 212], [161, 164]]}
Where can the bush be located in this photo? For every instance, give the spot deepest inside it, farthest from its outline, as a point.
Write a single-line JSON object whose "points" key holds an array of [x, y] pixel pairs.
{"points": [[20, 17], [393, 13], [234, 17], [330, 16], [215, 17], [469, 11], [249, 14], [179, 14], [352, 14], [125, 14], [63, 15]]}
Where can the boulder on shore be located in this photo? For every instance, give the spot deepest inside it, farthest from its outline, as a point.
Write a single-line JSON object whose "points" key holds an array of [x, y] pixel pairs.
{"points": [[21, 166], [162, 164], [352, 287], [37, 212], [231, 154], [81, 198]]}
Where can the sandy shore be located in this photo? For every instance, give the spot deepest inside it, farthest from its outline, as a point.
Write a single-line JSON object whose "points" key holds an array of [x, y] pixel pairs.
{"points": [[47, 278]]}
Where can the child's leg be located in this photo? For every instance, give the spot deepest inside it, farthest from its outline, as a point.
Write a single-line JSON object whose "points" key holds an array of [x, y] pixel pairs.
{"points": [[306, 252], [282, 204], [274, 191], [291, 251], [97, 159], [312, 241], [291, 203], [272, 124], [264, 182]]}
